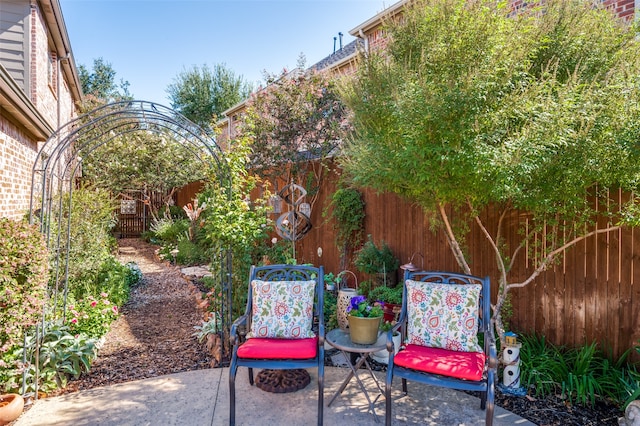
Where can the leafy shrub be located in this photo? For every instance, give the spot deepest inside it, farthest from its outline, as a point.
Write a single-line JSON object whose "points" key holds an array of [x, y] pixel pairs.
{"points": [[542, 366], [91, 223], [113, 278], [583, 375], [591, 375], [60, 356], [329, 310], [91, 316], [189, 253], [23, 279], [169, 230], [387, 294], [212, 326], [372, 259], [230, 223], [173, 212], [346, 208], [134, 274]]}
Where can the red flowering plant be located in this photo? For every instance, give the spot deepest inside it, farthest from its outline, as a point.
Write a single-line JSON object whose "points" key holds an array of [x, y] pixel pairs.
{"points": [[23, 281], [91, 317]]}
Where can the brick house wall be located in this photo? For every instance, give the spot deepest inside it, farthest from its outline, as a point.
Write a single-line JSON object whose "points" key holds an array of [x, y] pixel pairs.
{"points": [[30, 112], [17, 154]]}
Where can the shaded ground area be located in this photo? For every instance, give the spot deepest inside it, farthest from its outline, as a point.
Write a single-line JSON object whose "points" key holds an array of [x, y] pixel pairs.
{"points": [[154, 337]]}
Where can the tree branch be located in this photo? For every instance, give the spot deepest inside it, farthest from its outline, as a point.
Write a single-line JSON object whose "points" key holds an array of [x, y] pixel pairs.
{"points": [[549, 258], [453, 243]]}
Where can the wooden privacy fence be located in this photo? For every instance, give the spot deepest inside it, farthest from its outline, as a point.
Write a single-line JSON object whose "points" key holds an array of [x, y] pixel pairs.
{"points": [[591, 294]]}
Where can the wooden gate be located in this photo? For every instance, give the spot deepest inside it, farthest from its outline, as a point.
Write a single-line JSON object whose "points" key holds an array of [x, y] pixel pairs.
{"points": [[134, 216]]}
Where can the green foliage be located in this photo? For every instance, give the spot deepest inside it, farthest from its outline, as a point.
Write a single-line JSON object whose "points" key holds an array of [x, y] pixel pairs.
{"points": [[329, 310], [100, 82], [584, 375], [91, 316], [212, 326], [190, 253], [202, 94], [91, 242], [59, 357], [23, 279], [470, 105], [279, 252], [114, 279], [298, 117], [591, 376], [229, 222], [169, 231], [346, 209], [134, 274], [360, 306], [136, 160], [387, 294], [372, 259], [542, 365]]}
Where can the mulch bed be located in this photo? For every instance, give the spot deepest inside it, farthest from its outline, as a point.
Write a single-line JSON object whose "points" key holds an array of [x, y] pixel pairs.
{"points": [[154, 337]]}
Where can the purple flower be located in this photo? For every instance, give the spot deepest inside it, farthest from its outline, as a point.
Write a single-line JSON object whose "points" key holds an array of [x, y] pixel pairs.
{"points": [[355, 301]]}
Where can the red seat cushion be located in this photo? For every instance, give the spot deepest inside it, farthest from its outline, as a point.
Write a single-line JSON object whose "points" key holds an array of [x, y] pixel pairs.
{"points": [[461, 365], [258, 348]]}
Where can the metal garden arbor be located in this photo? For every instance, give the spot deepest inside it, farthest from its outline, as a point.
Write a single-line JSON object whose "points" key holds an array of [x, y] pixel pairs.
{"points": [[58, 162]]}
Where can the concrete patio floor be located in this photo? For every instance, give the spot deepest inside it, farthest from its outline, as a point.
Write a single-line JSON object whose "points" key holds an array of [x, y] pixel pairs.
{"points": [[201, 397]]}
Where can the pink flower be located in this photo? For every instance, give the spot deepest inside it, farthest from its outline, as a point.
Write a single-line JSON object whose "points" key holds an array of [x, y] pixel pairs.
{"points": [[115, 309], [105, 295], [74, 321], [93, 304]]}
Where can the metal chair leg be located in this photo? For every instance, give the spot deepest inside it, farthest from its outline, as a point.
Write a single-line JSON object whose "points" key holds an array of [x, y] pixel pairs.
{"points": [[232, 395], [320, 392]]}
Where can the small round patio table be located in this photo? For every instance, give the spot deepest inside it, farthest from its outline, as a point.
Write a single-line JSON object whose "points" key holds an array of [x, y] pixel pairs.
{"points": [[341, 340]]}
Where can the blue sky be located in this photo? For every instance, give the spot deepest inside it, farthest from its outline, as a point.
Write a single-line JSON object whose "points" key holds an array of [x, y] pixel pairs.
{"points": [[149, 42]]}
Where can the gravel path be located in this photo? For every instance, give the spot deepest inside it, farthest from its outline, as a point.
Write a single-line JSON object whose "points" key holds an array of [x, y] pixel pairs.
{"points": [[153, 335]]}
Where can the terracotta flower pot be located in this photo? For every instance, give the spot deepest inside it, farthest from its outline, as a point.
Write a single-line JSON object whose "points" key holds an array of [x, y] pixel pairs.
{"points": [[11, 406], [364, 330]]}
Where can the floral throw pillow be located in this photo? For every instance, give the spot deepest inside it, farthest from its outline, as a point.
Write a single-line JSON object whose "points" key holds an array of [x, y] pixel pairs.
{"points": [[443, 315], [282, 309]]}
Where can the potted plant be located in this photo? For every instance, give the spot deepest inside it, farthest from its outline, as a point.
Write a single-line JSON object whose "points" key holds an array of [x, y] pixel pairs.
{"points": [[392, 299], [364, 320], [383, 355], [378, 261], [330, 281]]}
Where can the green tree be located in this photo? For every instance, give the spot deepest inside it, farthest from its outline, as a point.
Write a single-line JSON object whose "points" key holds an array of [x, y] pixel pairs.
{"points": [[100, 82], [142, 160], [136, 159], [231, 223], [470, 106], [202, 94]]}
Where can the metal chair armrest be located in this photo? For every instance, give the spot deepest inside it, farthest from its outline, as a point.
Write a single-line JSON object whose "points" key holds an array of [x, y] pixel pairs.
{"points": [[491, 350], [242, 320]]}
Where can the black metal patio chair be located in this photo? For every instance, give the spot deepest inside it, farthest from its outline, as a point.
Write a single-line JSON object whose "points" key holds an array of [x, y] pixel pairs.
{"points": [[442, 314], [284, 323]]}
